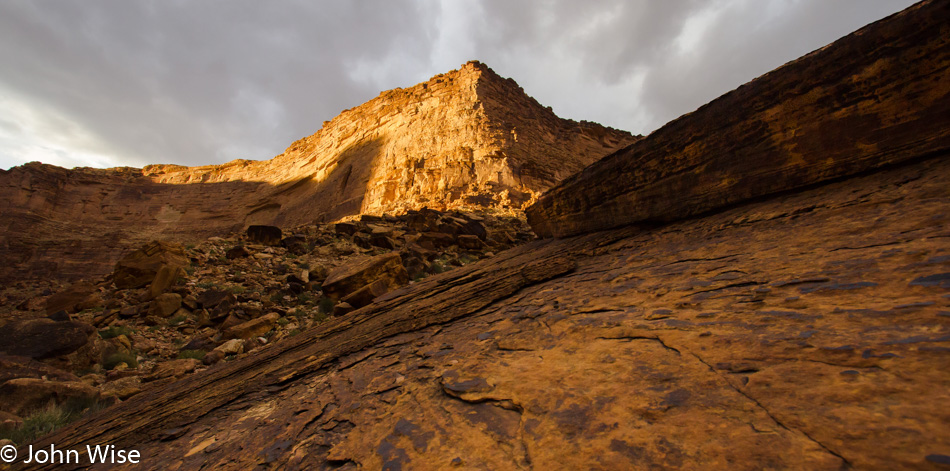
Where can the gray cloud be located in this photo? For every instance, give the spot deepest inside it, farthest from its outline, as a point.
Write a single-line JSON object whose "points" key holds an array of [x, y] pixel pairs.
{"points": [[107, 83]]}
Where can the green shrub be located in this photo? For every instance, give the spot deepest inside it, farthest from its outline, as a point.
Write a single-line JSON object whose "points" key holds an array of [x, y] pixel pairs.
{"points": [[304, 298], [44, 421], [326, 305], [283, 321], [238, 289], [177, 319], [38, 424], [467, 258], [196, 354], [114, 331], [113, 360]]}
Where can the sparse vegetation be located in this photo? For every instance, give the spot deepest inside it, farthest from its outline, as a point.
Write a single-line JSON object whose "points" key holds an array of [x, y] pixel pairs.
{"points": [[115, 359], [196, 354], [326, 305], [47, 420], [114, 331], [177, 320]]}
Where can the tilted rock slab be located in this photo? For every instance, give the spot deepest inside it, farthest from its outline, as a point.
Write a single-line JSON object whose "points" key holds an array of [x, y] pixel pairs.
{"points": [[877, 97]]}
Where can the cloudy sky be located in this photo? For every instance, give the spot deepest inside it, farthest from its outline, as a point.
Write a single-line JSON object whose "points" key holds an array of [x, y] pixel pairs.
{"points": [[107, 83]]}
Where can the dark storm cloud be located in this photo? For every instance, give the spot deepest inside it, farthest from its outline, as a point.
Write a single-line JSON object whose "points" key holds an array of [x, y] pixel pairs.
{"points": [[199, 82], [134, 82]]}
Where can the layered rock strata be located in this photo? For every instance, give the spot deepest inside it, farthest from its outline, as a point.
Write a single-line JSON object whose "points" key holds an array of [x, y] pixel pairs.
{"points": [[877, 97], [468, 139], [809, 332]]}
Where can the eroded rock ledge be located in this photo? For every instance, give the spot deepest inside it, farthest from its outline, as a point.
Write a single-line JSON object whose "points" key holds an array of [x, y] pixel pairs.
{"points": [[876, 97]]}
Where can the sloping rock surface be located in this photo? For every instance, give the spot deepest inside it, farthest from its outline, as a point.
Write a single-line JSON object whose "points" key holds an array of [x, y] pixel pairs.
{"points": [[877, 97], [807, 331], [811, 331], [464, 140]]}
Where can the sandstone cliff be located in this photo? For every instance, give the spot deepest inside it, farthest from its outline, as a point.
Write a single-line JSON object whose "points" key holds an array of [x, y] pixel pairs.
{"points": [[464, 140], [809, 331]]}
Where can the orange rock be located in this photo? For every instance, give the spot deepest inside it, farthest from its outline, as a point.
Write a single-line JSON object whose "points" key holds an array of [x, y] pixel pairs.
{"points": [[496, 148]]}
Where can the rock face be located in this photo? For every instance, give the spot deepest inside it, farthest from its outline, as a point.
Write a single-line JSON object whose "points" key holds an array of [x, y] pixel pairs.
{"points": [[809, 331], [468, 139], [798, 333], [874, 98]]}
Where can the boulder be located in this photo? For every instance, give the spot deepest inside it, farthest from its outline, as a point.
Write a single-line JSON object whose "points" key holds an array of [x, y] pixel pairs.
{"points": [[435, 240], [264, 235], [202, 341], [424, 220], [212, 357], [172, 369], [138, 268], [342, 309], [381, 241], [234, 346], [23, 367], [44, 338], [354, 275], [365, 295], [23, 395], [238, 251], [75, 298], [470, 242], [253, 327], [295, 244], [217, 302], [122, 388], [346, 228], [9, 422], [165, 305], [165, 278]]}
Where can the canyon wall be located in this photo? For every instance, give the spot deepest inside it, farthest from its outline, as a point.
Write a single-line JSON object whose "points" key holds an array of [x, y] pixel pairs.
{"points": [[464, 140]]}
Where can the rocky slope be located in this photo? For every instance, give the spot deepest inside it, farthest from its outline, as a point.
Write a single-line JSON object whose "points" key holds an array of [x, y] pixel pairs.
{"points": [[806, 331], [168, 311], [464, 140]]}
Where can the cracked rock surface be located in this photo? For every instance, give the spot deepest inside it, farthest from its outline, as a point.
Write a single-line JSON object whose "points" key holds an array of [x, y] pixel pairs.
{"points": [[810, 331]]}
